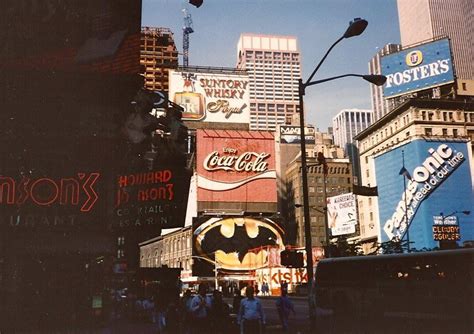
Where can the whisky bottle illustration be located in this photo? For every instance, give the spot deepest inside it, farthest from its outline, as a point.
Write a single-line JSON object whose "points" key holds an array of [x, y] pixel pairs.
{"points": [[189, 99]]}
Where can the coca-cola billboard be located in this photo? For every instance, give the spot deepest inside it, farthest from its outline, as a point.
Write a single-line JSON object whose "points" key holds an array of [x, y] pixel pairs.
{"points": [[236, 166]]}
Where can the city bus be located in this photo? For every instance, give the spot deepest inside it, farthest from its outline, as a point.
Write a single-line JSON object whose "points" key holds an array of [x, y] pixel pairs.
{"points": [[420, 292]]}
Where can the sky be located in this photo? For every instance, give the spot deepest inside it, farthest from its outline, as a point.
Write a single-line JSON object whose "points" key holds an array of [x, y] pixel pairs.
{"points": [[317, 24]]}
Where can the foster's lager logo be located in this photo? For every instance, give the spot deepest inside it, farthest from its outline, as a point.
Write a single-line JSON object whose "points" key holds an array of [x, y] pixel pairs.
{"points": [[414, 58]]}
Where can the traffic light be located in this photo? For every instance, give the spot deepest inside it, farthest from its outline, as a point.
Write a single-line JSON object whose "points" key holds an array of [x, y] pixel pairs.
{"points": [[291, 259]]}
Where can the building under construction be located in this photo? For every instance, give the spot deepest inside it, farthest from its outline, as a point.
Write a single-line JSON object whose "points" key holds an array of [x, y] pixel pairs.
{"points": [[158, 54]]}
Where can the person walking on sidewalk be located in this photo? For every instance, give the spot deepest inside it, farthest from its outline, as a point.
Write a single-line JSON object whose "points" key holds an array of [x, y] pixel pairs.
{"points": [[284, 307], [251, 317], [200, 308]]}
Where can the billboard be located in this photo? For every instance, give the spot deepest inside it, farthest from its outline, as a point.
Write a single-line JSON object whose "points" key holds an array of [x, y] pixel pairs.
{"points": [[342, 214], [211, 97], [155, 199], [52, 202], [290, 134], [234, 244], [417, 68], [437, 178], [236, 166]]}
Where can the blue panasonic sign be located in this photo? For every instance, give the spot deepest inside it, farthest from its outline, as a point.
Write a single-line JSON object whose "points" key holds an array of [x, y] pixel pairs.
{"points": [[418, 68], [437, 180]]}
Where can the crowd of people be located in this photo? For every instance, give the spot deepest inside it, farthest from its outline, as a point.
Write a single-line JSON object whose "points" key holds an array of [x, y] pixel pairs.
{"points": [[208, 313]]}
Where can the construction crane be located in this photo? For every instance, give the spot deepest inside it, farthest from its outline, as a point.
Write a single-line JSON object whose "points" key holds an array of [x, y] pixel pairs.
{"points": [[187, 29]]}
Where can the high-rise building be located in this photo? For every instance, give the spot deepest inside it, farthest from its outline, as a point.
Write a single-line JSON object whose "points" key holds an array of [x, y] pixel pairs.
{"points": [[408, 139], [273, 65], [349, 122], [346, 124], [381, 106], [424, 20], [158, 54]]}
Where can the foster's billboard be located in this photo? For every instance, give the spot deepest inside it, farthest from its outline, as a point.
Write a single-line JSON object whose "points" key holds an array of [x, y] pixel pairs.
{"points": [[417, 68]]}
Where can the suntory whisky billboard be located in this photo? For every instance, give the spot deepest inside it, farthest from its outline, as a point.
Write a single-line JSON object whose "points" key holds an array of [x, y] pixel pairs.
{"points": [[211, 95]]}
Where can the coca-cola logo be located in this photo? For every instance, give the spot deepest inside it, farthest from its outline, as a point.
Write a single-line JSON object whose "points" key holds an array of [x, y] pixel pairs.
{"points": [[245, 162]]}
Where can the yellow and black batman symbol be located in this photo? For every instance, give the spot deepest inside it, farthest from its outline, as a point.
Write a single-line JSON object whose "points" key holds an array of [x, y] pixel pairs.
{"points": [[238, 243]]}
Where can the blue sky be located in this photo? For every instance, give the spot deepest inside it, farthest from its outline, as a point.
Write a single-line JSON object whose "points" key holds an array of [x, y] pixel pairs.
{"points": [[316, 23]]}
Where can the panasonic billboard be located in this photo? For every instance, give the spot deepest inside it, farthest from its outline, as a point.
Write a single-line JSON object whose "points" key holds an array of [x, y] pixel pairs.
{"points": [[417, 68], [434, 180]]}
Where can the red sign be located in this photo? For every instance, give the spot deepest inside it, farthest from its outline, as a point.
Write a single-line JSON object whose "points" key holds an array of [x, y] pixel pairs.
{"points": [[77, 191], [236, 166], [155, 199]]}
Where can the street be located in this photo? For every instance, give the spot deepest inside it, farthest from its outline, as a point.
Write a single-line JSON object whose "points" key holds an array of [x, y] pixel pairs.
{"points": [[298, 322]]}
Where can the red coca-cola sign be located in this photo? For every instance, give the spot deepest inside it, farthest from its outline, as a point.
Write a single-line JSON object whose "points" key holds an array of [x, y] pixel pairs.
{"points": [[236, 166]]}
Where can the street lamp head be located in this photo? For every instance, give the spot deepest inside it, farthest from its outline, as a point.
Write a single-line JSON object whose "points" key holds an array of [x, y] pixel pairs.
{"points": [[377, 80], [356, 27], [467, 212]]}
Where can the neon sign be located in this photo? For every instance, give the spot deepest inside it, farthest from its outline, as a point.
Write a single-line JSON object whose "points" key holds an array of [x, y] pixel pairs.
{"points": [[76, 191]]}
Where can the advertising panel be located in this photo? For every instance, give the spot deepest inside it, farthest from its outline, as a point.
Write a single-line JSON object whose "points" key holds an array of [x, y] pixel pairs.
{"points": [[438, 181], [234, 244], [417, 68], [51, 201], [211, 97], [342, 214], [290, 134], [155, 199], [236, 166]]}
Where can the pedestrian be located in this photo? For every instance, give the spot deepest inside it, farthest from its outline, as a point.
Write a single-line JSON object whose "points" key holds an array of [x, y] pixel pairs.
{"points": [[200, 306], [236, 301], [186, 314], [256, 290], [265, 289], [284, 286], [172, 317], [284, 307], [219, 313], [251, 317]]}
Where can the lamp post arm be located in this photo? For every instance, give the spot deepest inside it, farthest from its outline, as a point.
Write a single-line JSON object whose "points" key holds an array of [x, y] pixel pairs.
{"points": [[322, 60], [332, 78]]}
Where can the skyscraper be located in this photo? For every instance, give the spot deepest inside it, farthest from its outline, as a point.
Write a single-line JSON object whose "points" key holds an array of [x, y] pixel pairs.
{"points": [[381, 106], [424, 20], [158, 54], [273, 65], [348, 123]]}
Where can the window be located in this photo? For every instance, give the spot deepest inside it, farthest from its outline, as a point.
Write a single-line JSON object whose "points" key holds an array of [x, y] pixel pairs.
{"points": [[455, 132], [120, 253], [445, 132], [121, 241], [428, 131]]}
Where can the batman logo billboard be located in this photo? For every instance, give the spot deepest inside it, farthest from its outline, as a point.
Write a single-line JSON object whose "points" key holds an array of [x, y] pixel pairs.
{"points": [[236, 244]]}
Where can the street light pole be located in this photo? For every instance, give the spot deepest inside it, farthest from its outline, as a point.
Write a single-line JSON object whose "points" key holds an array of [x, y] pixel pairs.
{"points": [[356, 27]]}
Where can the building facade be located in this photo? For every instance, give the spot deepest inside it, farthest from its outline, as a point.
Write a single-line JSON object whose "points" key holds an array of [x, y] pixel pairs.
{"points": [[173, 250], [407, 136], [428, 19], [158, 54], [273, 65], [337, 181], [380, 105], [347, 123]]}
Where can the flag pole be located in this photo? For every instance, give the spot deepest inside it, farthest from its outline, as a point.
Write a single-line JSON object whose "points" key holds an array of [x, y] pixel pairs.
{"points": [[405, 200]]}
